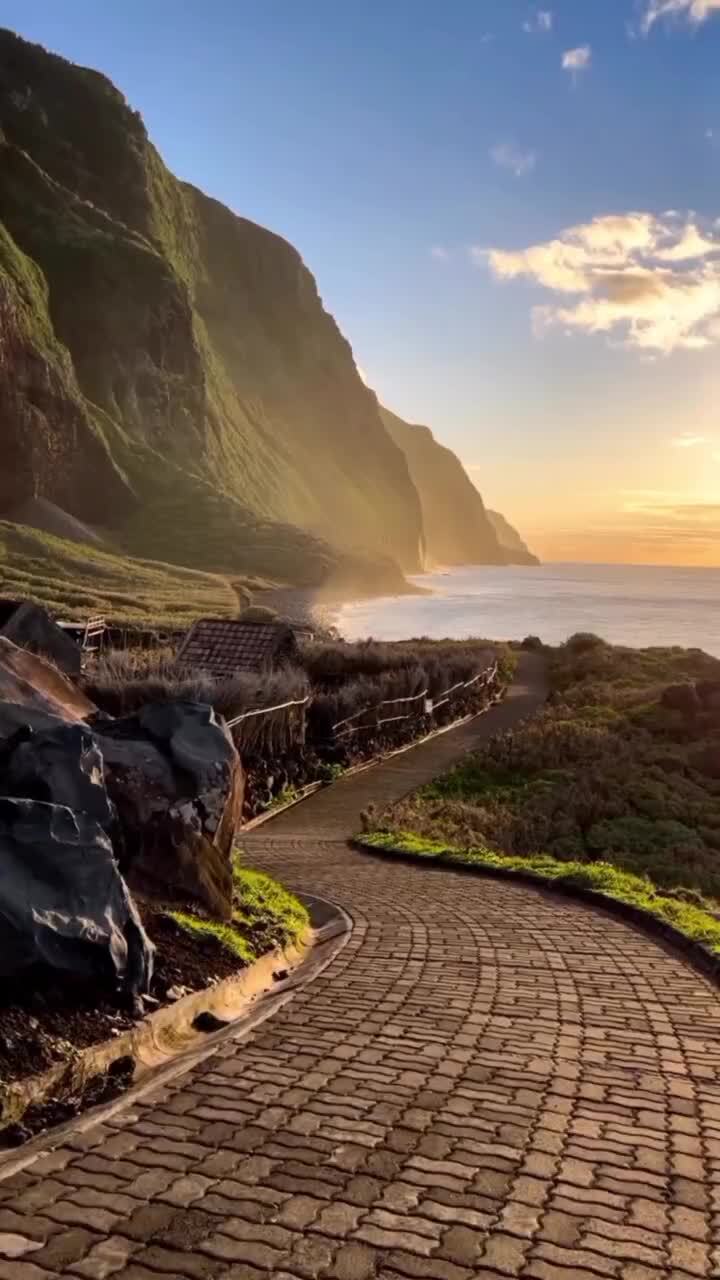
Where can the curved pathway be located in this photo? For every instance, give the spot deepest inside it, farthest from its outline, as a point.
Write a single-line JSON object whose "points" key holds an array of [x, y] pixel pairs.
{"points": [[486, 1082]]}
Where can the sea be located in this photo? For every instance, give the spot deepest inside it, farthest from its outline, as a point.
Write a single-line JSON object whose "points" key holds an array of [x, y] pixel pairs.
{"points": [[638, 605]]}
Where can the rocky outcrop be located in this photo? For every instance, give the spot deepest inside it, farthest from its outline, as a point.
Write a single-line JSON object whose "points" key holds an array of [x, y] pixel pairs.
{"points": [[514, 549], [33, 691], [152, 801], [456, 525], [31, 628], [63, 902], [174, 777]]}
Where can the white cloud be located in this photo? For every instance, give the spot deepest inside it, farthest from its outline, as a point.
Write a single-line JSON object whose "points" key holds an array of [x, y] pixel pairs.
{"points": [[541, 21], [440, 253], [687, 441], [654, 281], [695, 11], [509, 156], [577, 60]]}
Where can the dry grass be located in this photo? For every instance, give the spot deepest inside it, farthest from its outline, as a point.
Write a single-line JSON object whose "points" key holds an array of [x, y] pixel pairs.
{"points": [[122, 681]]}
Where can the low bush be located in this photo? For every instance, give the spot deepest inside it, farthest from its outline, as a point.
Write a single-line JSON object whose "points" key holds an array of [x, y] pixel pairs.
{"points": [[364, 699], [607, 772]]}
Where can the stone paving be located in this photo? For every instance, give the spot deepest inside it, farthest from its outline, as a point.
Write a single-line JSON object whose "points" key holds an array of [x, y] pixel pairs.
{"points": [[486, 1082]]}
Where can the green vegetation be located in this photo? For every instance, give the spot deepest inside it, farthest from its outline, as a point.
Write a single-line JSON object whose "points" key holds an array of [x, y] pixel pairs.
{"points": [[195, 344], [76, 579], [602, 878], [622, 767], [168, 369], [266, 916]]}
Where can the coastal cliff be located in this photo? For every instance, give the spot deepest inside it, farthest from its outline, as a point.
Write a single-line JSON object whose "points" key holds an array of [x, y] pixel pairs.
{"points": [[168, 373], [458, 527], [514, 548]]}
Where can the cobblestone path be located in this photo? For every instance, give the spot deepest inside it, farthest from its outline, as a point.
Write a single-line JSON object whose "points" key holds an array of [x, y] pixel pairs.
{"points": [[486, 1082]]}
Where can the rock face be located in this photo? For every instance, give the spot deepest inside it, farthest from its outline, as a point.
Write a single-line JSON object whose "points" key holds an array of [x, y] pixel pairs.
{"points": [[175, 779], [31, 627], [458, 528], [512, 544], [175, 353], [63, 901], [33, 691], [62, 765]]}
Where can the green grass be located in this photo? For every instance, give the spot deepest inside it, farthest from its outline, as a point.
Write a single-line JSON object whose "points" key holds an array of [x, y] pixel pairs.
{"points": [[74, 579], [266, 916], [610, 770], [224, 935], [601, 878]]}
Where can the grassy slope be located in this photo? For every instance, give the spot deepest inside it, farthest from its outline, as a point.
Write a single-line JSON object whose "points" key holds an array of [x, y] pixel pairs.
{"points": [[608, 773], [265, 916], [74, 580]]}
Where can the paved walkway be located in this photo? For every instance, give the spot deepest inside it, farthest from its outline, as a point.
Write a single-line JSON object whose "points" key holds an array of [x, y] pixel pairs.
{"points": [[485, 1083]]}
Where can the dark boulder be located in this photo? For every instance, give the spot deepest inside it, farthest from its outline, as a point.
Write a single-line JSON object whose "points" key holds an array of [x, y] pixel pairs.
{"points": [[33, 691], [31, 627], [62, 766], [63, 901], [174, 777]]}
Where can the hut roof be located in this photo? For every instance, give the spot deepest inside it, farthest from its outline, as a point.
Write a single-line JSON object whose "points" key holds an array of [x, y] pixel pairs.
{"points": [[223, 646]]}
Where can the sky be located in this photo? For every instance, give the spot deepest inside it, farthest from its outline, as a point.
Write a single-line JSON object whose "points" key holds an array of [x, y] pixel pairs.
{"points": [[512, 210]]}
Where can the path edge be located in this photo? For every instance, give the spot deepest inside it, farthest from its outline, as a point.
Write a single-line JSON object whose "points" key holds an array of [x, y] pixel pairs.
{"points": [[331, 929], [700, 956]]}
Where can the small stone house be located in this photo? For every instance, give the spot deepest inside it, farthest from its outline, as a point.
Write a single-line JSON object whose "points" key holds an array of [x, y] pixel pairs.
{"points": [[225, 646]]}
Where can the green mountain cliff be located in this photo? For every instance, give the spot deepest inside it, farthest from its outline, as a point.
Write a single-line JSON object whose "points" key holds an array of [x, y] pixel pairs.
{"points": [[167, 369], [458, 527]]}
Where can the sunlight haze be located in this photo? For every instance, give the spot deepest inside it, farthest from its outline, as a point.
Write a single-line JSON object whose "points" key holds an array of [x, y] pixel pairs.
{"points": [[513, 211]]}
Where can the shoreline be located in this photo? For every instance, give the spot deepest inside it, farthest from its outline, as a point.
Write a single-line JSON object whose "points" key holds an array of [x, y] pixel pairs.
{"points": [[310, 608]]}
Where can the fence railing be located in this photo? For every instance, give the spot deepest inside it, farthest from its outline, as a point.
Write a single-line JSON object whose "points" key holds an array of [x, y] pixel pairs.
{"points": [[267, 711], [488, 674], [431, 705]]}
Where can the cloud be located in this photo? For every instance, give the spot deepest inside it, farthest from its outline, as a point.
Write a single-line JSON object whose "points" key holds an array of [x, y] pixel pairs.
{"points": [[440, 253], [509, 156], [687, 441], [577, 60], [540, 22], [696, 11], [653, 281]]}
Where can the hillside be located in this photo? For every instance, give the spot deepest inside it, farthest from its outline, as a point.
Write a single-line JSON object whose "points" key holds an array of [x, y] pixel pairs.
{"points": [[74, 581], [458, 527], [179, 353], [168, 373]]}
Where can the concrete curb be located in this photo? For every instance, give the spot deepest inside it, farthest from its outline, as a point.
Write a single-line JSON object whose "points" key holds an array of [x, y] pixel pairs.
{"points": [[706, 961], [165, 1044]]}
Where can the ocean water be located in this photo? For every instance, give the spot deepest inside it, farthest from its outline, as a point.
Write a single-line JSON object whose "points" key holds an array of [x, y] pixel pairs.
{"points": [[626, 604]]}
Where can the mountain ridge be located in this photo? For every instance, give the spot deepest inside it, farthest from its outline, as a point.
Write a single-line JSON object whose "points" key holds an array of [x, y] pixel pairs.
{"points": [[167, 368]]}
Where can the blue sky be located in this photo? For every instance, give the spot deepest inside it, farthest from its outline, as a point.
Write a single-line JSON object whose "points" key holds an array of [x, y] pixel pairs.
{"points": [[394, 142]]}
